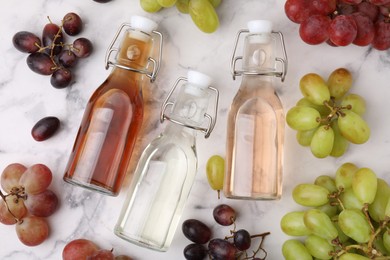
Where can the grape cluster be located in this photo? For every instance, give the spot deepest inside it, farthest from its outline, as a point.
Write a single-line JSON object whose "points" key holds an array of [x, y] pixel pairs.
{"points": [[342, 22], [27, 201], [231, 247], [347, 217], [86, 249], [203, 12], [215, 172], [328, 118], [50, 55]]}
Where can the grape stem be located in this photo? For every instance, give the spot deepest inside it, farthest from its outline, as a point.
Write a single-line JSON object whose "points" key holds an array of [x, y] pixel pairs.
{"points": [[334, 111], [260, 247], [4, 197]]}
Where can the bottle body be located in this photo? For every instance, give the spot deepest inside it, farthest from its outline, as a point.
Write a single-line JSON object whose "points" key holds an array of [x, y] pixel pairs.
{"points": [[161, 184], [255, 137], [111, 122]]}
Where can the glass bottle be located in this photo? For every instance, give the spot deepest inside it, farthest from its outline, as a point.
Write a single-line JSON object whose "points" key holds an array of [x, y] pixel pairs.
{"points": [[167, 168], [114, 113], [255, 127]]}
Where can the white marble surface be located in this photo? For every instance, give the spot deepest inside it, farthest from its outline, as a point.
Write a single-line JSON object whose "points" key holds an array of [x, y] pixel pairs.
{"points": [[26, 97]]}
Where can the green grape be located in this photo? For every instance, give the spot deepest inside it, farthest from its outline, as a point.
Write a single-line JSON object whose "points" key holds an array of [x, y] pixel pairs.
{"points": [[322, 142], [380, 245], [303, 118], [320, 224], [318, 247], [215, 3], [204, 15], [378, 207], [364, 185], [350, 201], [344, 175], [215, 171], [353, 127], [182, 6], [310, 195], [293, 249], [329, 210], [324, 110], [166, 3], [339, 82], [292, 224], [355, 225], [357, 103], [387, 209], [304, 137], [314, 88], [150, 6], [352, 256], [340, 144], [327, 182], [386, 240], [343, 238]]}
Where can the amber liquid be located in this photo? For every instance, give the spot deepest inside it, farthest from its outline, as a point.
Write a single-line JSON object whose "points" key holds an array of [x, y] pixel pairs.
{"points": [[255, 134], [111, 123]]}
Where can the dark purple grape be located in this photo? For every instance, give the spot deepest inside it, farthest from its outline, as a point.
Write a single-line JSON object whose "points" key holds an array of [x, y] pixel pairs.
{"points": [[82, 47], [50, 31], [196, 231], [102, 254], [72, 24], [45, 128], [102, 1], [61, 78], [67, 58], [26, 42], [242, 239], [224, 215], [195, 252], [220, 249], [41, 63]]}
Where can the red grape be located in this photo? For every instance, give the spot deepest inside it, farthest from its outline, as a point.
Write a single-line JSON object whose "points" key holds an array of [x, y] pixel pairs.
{"points": [[325, 7], [365, 29], [123, 257], [36, 179], [351, 2], [41, 63], [102, 254], [5, 216], [61, 78], [346, 9], [195, 252], [67, 58], [343, 30], [26, 42], [45, 128], [379, 2], [224, 215], [368, 9], [52, 38], [314, 30], [42, 204], [242, 239], [72, 24], [11, 175], [82, 47], [196, 231], [299, 10], [382, 36], [79, 249], [32, 230], [222, 249]]}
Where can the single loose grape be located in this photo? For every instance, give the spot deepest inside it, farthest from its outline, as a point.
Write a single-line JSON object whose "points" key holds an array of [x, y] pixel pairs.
{"points": [[196, 231], [355, 225], [314, 88], [353, 127], [215, 171], [224, 215], [302, 118], [339, 82], [321, 144], [310, 195], [203, 14], [364, 185]]}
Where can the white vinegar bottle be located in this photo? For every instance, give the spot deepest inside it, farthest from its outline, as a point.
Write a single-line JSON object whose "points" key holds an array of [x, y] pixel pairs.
{"points": [[255, 127], [166, 171]]}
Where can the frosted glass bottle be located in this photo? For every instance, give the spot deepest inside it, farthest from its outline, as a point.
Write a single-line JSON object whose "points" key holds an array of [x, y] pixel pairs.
{"points": [[114, 113], [255, 127], [166, 171]]}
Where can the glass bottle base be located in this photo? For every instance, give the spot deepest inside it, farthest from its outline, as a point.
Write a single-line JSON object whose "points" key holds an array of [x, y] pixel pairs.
{"points": [[91, 186]]}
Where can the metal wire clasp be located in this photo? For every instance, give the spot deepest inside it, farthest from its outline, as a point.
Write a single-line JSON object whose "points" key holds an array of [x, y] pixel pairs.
{"points": [[211, 120], [234, 59], [152, 73]]}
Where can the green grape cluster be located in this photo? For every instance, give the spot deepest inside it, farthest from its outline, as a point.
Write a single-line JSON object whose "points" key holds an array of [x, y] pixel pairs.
{"points": [[328, 117], [202, 12], [345, 217]]}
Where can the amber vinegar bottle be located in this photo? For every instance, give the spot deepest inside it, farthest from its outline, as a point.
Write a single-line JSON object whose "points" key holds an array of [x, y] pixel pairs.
{"points": [[114, 113], [255, 128]]}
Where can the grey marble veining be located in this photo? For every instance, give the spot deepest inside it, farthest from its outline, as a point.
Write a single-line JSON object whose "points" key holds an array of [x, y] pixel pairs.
{"points": [[26, 97]]}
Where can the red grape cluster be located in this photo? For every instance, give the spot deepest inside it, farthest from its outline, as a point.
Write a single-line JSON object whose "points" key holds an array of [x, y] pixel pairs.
{"points": [[51, 55], [27, 201], [342, 22], [231, 247], [86, 249]]}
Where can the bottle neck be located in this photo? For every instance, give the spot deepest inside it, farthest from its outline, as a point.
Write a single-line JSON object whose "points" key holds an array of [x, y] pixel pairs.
{"points": [[259, 53]]}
